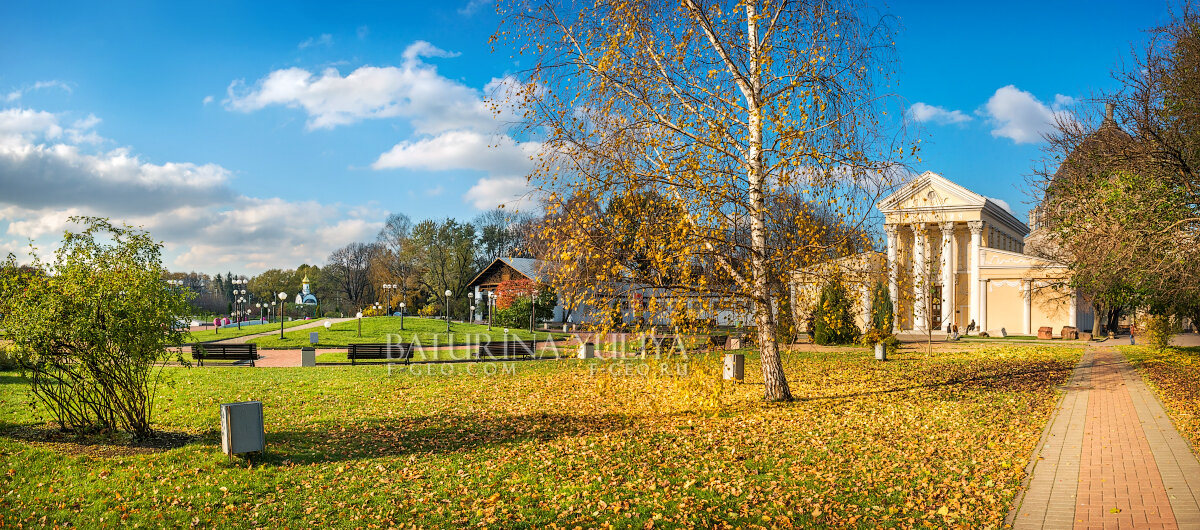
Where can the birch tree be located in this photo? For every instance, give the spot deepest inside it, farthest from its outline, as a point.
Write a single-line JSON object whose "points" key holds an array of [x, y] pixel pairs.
{"points": [[720, 110]]}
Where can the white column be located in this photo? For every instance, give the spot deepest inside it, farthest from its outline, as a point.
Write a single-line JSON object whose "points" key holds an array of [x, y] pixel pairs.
{"points": [[947, 273], [973, 266], [982, 321], [1026, 323], [1072, 310], [920, 278], [866, 305], [893, 281]]}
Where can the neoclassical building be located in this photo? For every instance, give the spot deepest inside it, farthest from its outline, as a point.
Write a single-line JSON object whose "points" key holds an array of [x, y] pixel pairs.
{"points": [[954, 256]]}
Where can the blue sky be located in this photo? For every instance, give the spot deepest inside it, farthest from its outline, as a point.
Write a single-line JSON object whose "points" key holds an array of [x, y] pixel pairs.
{"points": [[256, 135]]}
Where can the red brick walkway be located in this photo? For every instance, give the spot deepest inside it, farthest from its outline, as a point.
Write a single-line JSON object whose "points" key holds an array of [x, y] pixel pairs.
{"points": [[1119, 483], [1110, 458]]}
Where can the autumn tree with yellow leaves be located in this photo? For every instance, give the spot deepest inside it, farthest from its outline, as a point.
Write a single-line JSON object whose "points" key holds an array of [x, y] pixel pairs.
{"points": [[740, 122]]}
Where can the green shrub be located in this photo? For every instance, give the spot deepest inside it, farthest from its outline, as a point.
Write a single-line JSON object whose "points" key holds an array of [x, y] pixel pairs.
{"points": [[882, 313], [8, 358], [834, 316], [1158, 331]]}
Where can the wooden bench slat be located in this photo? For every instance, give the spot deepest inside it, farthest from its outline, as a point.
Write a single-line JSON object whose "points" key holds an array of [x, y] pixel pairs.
{"points": [[507, 349], [225, 352], [395, 350]]}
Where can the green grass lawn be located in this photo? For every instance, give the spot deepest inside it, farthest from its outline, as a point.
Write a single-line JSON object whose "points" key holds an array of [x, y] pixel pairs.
{"points": [[377, 330], [429, 354], [1010, 337], [247, 329], [910, 442], [1173, 374]]}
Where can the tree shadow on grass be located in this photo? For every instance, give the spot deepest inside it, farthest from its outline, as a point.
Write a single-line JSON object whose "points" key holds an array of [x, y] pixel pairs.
{"points": [[100, 445], [12, 378], [331, 441], [1025, 377]]}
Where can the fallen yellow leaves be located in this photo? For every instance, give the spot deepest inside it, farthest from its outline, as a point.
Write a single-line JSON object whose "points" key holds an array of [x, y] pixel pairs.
{"points": [[914, 442]]}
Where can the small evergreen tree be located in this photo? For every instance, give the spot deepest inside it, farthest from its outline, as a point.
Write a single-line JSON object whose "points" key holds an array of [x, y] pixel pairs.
{"points": [[834, 317], [882, 313]]}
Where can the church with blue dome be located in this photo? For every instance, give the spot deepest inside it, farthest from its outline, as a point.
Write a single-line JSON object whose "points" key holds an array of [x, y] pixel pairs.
{"points": [[305, 295]]}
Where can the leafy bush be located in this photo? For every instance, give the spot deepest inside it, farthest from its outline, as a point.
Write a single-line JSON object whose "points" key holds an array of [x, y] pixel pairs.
{"points": [[1158, 331], [514, 312], [833, 318], [93, 332], [882, 313], [8, 358]]}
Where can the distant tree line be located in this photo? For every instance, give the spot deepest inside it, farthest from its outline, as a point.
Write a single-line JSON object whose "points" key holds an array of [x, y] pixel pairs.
{"points": [[423, 259]]}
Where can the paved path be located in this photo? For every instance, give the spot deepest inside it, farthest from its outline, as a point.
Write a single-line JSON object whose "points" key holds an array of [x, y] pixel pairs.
{"points": [[315, 323], [1110, 458]]}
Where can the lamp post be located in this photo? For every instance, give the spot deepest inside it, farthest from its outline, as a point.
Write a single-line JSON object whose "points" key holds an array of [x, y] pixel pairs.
{"points": [[471, 313], [272, 314], [238, 292], [259, 306], [402, 304], [241, 302], [491, 307], [388, 287], [359, 317], [532, 311], [448, 293], [282, 297]]}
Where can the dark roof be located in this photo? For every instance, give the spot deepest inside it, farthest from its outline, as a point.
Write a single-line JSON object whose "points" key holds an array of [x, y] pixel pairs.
{"points": [[532, 269]]}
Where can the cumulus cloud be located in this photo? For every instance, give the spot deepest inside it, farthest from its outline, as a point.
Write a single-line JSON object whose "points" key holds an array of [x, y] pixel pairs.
{"points": [[413, 90], [1019, 116], [923, 112], [325, 40], [491, 192], [1001, 203], [48, 174], [455, 127], [461, 150], [36, 173]]}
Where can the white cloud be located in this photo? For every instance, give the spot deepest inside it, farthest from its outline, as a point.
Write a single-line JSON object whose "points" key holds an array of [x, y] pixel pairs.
{"points": [[16, 94], [491, 192], [461, 150], [207, 99], [47, 175], [1002, 203], [325, 40], [413, 90], [455, 126], [923, 112], [23, 125], [472, 6], [1021, 117]]}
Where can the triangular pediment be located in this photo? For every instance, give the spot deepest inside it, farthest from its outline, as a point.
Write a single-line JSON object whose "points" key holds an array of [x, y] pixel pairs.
{"points": [[929, 191]]}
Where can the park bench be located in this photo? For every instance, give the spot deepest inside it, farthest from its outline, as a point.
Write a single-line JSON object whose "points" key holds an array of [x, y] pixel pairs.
{"points": [[224, 352], [395, 350], [716, 342], [506, 349], [661, 344]]}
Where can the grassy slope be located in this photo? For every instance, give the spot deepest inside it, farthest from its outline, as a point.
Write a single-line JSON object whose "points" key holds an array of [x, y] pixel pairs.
{"points": [[578, 443], [247, 329], [376, 330]]}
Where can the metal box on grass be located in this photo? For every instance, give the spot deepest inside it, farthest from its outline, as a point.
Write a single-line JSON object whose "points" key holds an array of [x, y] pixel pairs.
{"points": [[242, 428]]}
